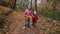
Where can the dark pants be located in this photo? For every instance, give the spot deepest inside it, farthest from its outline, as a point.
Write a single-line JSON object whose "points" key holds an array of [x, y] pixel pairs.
{"points": [[34, 24], [27, 23]]}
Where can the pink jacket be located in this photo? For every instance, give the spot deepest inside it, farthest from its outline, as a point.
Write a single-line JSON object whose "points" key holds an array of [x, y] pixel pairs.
{"points": [[27, 12]]}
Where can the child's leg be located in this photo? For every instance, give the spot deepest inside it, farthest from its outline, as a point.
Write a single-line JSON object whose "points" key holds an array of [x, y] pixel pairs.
{"points": [[34, 24], [27, 23]]}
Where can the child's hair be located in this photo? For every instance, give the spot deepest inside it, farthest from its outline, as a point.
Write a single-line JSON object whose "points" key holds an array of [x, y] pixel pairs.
{"points": [[35, 12], [28, 5]]}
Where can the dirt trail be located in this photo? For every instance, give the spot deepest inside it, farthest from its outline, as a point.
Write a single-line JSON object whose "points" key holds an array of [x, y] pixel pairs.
{"points": [[17, 21]]}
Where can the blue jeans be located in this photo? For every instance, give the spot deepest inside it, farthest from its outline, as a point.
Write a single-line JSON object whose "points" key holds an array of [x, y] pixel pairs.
{"points": [[27, 23]]}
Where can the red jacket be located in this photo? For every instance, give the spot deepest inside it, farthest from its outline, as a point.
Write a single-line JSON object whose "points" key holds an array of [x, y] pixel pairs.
{"points": [[35, 18]]}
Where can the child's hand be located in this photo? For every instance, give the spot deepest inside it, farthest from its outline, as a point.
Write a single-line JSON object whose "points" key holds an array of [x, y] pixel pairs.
{"points": [[32, 15]]}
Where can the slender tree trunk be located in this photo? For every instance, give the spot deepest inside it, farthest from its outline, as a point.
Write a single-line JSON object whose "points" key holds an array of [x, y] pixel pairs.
{"points": [[31, 4], [47, 0], [36, 5], [14, 4], [27, 2], [1, 2], [54, 5]]}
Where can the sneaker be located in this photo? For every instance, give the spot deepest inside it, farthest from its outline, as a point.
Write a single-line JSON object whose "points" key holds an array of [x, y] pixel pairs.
{"points": [[34, 25], [23, 27]]}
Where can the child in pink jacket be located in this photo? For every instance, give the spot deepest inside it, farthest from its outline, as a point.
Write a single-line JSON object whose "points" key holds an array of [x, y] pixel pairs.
{"points": [[26, 14]]}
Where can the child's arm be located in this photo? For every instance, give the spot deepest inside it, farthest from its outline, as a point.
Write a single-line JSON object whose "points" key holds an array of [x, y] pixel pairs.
{"points": [[36, 17], [32, 15], [25, 13]]}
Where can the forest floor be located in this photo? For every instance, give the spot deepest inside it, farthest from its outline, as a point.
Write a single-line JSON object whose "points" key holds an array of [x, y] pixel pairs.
{"points": [[15, 23]]}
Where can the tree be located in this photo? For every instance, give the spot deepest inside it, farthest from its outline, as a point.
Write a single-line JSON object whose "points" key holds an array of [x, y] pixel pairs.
{"points": [[27, 2], [31, 4], [36, 5], [54, 3], [1, 2], [14, 4]]}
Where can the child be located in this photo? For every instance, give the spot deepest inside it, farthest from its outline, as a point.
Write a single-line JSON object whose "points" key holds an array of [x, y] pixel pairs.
{"points": [[34, 19], [27, 15]]}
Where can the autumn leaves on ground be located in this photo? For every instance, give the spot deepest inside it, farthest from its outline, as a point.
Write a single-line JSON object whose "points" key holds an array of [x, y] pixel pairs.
{"points": [[14, 22]]}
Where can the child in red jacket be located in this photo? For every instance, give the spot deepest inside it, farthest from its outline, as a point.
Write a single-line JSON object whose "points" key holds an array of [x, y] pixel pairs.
{"points": [[34, 19]]}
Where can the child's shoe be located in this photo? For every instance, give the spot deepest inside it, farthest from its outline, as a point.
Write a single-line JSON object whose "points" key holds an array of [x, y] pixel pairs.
{"points": [[34, 24]]}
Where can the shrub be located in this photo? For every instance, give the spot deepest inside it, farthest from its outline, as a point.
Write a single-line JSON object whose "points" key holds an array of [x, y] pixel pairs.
{"points": [[50, 14]]}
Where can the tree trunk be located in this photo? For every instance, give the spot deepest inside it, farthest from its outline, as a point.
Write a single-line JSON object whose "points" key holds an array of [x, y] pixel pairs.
{"points": [[31, 4], [27, 2], [36, 5], [54, 5], [1, 2], [14, 4]]}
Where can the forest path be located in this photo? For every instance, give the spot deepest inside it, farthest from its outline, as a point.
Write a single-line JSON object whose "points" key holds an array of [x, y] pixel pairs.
{"points": [[18, 23]]}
